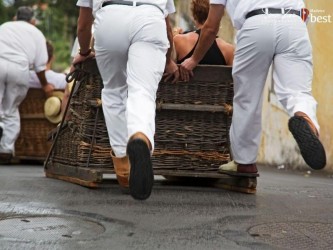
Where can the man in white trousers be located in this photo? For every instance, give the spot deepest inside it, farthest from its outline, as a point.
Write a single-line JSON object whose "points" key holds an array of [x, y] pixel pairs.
{"points": [[22, 46], [133, 42], [268, 31]]}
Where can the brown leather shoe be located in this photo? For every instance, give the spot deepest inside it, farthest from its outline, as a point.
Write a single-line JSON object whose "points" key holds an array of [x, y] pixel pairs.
{"points": [[308, 120], [122, 169], [236, 169], [247, 168]]}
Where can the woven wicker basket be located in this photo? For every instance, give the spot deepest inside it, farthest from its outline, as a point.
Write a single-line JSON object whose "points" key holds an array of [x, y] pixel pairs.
{"points": [[192, 123], [32, 142], [84, 141]]}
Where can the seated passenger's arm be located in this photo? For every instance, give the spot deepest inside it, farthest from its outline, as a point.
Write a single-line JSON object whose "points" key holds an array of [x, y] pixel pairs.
{"points": [[48, 88]]}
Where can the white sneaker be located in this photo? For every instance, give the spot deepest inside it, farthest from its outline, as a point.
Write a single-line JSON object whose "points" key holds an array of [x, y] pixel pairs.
{"points": [[230, 166]]}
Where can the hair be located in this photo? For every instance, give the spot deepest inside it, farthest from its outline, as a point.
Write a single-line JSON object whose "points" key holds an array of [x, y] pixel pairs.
{"points": [[24, 13], [50, 50], [200, 9]]}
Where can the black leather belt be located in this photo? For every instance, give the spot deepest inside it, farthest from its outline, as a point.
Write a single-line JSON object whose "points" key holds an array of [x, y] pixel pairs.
{"points": [[272, 11], [129, 3]]}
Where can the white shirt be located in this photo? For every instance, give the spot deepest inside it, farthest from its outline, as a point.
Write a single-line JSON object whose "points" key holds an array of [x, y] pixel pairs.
{"points": [[167, 6], [57, 79], [237, 9], [23, 43]]}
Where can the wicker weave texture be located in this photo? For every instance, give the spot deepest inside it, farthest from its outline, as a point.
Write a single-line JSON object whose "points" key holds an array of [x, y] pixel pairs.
{"points": [[84, 142], [192, 123], [32, 141]]}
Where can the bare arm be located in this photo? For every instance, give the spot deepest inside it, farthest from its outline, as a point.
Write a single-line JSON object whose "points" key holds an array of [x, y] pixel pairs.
{"points": [[48, 88], [207, 37], [84, 24], [171, 68]]}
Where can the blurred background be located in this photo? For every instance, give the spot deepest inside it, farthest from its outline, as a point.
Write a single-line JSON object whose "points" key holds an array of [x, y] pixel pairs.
{"points": [[55, 18]]}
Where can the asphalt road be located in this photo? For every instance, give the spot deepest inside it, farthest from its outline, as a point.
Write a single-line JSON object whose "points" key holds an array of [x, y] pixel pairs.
{"points": [[291, 210]]}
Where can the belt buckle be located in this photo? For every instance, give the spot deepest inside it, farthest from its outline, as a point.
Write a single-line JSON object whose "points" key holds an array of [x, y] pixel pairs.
{"points": [[265, 11], [286, 11]]}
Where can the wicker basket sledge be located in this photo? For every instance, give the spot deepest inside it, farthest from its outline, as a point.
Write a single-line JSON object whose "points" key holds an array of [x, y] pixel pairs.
{"points": [[192, 128], [32, 142]]}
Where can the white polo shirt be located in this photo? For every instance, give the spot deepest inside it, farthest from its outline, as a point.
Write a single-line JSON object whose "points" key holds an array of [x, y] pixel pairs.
{"points": [[23, 43], [237, 9], [167, 6]]}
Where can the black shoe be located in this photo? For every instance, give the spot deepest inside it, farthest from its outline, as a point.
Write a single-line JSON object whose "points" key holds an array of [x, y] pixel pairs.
{"points": [[5, 158], [1, 131], [141, 176], [309, 144]]}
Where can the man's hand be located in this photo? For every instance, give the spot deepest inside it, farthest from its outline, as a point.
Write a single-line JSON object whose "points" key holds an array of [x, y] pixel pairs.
{"points": [[171, 70], [48, 89], [186, 69], [79, 58]]}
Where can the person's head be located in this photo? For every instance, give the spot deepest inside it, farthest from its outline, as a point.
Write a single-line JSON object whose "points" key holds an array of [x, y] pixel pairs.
{"points": [[50, 50], [200, 9], [25, 13]]}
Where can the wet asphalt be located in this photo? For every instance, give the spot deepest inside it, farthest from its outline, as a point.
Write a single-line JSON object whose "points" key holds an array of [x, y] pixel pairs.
{"points": [[291, 210]]}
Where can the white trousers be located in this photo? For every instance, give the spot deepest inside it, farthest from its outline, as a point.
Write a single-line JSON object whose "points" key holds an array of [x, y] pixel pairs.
{"points": [[130, 44], [263, 39], [13, 89]]}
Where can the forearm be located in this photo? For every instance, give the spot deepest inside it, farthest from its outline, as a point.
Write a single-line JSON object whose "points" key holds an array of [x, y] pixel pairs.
{"points": [[42, 78], [208, 32], [206, 40], [170, 38], [85, 21]]}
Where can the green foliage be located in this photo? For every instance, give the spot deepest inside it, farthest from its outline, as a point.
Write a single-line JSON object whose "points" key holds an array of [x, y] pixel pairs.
{"points": [[56, 19]]}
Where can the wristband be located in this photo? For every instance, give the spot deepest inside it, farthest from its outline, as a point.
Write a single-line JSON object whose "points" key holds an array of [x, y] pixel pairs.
{"points": [[86, 53]]}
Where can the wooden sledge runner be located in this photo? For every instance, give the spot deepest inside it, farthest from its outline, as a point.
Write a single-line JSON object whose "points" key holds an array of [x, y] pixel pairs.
{"points": [[191, 140]]}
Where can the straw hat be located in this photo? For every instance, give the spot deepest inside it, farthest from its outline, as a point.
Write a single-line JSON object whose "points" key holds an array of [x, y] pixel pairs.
{"points": [[52, 107]]}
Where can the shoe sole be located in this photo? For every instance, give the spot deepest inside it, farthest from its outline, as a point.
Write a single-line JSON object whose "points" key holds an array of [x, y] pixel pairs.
{"points": [[141, 177], [309, 144]]}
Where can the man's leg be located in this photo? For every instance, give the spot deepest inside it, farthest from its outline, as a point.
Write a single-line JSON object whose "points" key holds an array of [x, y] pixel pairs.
{"points": [[14, 94], [3, 76], [145, 68], [293, 79], [111, 46], [253, 57]]}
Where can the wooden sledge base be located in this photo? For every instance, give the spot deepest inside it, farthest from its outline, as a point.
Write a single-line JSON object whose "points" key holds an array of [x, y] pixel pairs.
{"points": [[94, 178], [238, 184]]}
